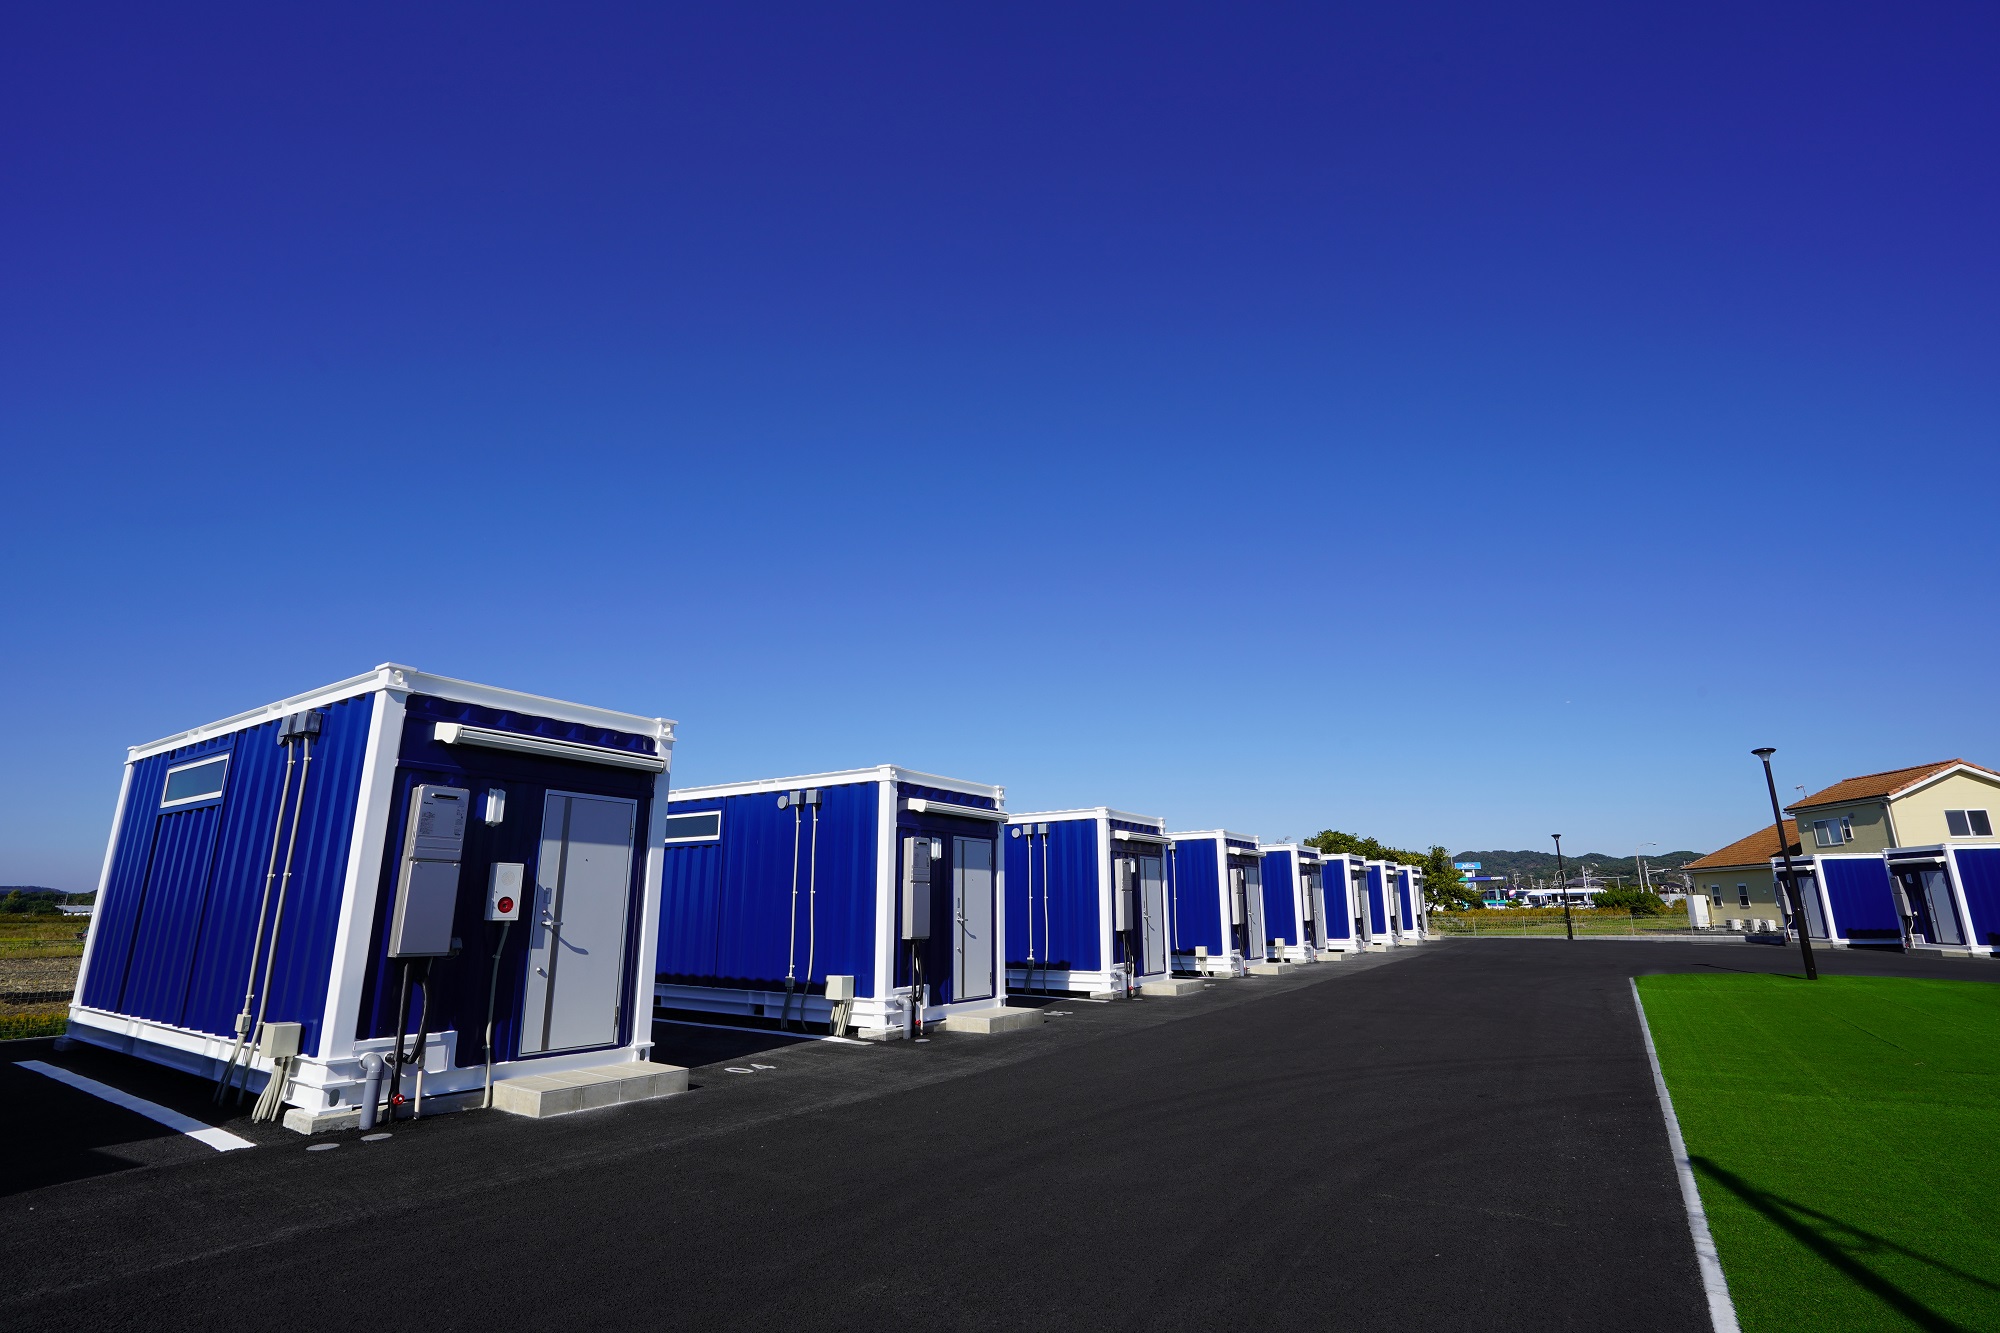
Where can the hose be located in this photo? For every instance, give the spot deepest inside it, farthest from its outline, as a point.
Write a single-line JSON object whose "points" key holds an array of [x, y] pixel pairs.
{"points": [[257, 945], [284, 883], [272, 1102], [492, 995]]}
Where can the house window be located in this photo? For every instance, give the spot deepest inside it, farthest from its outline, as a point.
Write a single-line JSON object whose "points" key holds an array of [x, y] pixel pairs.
{"points": [[703, 827], [1742, 895], [199, 781], [1832, 832], [1968, 823], [1716, 890]]}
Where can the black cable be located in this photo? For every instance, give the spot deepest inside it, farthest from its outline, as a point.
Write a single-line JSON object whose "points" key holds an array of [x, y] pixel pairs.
{"points": [[423, 1021], [402, 1016]]}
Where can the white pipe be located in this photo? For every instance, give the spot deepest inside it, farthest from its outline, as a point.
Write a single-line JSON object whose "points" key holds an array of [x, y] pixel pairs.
{"points": [[257, 945], [291, 846], [792, 949], [812, 903], [1047, 947]]}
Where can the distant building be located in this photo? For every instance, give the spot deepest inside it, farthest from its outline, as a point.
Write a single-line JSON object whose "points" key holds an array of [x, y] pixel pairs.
{"points": [[1738, 881]]}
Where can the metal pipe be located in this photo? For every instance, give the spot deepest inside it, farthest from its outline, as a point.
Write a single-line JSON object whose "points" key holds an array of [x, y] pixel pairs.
{"points": [[371, 1089], [284, 883], [257, 945], [792, 944], [812, 910], [1562, 886]]}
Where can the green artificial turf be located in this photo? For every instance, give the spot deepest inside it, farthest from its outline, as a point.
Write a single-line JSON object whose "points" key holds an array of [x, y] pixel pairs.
{"points": [[1845, 1133]]}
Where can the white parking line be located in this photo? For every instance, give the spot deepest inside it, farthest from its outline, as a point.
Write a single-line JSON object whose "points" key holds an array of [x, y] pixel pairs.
{"points": [[1721, 1309], [219, 1139]]}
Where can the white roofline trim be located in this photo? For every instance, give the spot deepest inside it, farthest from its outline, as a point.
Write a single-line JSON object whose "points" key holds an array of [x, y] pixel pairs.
{"points": [[409, 680], [1092, 812], [838, 778]]}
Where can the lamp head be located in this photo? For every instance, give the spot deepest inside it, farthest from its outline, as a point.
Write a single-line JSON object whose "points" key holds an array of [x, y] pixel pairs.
{"points": [[1765, 752]]}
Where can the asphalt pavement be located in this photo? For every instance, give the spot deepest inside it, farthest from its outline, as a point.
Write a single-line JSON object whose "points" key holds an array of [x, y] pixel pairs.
{"points": [[1463, 1135]]}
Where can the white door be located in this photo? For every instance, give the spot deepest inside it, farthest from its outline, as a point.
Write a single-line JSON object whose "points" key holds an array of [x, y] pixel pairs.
{"points": [[1153, 914], [972, 906], [576, 940]]}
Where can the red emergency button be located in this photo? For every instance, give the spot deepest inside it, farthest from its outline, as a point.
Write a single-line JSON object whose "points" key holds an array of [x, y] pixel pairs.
{"points": [[505, 905]]}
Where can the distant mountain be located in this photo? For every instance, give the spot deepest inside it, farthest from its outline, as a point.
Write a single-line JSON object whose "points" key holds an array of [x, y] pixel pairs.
{"points": [[1532, 865]]}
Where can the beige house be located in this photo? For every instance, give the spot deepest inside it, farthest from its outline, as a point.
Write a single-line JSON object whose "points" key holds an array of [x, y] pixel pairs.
{"points": [[1738, 881], [1926, 806]]}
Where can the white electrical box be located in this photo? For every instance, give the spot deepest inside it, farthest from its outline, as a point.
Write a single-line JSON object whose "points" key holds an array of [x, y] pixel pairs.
{"points": [[277, 1041], [1124, 898], [427, 889], [839, 988], [503, 890], [916, 913]]}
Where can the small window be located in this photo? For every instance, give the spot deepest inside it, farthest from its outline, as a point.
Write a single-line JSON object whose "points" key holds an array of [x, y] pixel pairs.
{"points": [[1832, 832], [1968, 823], [1716, 891], [199, 781], [1742, 895], [703, 827]]}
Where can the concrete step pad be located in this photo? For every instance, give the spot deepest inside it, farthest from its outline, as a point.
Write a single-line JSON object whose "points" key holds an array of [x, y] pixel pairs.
{"points": [[540, 1096], [988, 1022], [1272, 969], [1170, 986]]}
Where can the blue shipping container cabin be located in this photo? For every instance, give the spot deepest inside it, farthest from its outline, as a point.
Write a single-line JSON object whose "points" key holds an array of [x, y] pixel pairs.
{"points": [[1379, 881], [1849, 898], [1948, 895], [259, 868], [1087, 910], [1344, 878], [1295, 910], [883, 875], [1412, 917], [1216, 902]]}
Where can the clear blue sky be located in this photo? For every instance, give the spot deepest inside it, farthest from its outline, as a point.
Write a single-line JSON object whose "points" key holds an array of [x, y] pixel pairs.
{"points": [[1452, 424]]}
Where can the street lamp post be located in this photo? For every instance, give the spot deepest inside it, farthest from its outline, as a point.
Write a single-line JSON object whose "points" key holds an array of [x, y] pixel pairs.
{"points": [[1785, 850], [1639, 855], [1562, 887]]}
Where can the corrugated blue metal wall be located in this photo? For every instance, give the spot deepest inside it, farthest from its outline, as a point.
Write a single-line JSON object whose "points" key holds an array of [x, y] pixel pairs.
{"points": [[180, 907], [1378, 909], [1333, 874], [1064, 931], [1979, 876], [1864, 903], [459, 985], [728, 916], [1281, 916], [1403, 903], [1199, 893]]}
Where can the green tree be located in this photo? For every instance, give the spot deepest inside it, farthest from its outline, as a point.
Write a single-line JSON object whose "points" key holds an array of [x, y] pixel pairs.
{"points": [[1445, 887]]}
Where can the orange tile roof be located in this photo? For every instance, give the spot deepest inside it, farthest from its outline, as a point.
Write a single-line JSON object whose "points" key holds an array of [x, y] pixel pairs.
{"points": [[1892, 783], [1755, 850]]}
